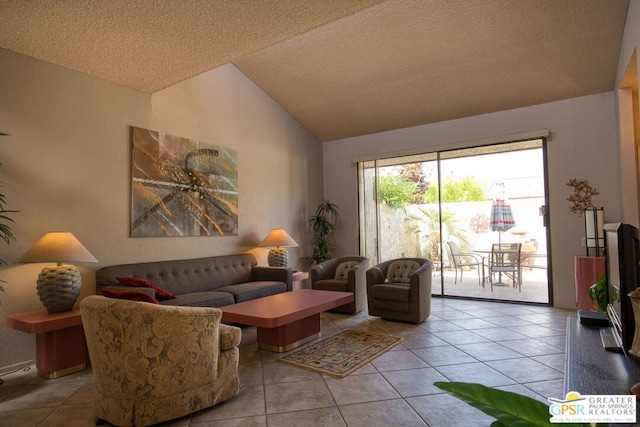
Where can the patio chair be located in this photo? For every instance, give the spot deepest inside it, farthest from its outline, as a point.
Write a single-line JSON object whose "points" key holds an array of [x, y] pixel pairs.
{"points": [[464, 259], [505, 259]]}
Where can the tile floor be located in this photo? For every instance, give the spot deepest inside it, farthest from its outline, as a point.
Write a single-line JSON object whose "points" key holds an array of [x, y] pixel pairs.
{"points": [[508, 346]]}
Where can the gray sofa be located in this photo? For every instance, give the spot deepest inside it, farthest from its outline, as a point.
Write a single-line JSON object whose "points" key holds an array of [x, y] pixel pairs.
{"points": [[202, 282]]}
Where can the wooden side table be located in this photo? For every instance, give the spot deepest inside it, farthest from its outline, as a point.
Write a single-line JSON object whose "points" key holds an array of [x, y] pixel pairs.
{"points": [[298, 277], [61, 348]]}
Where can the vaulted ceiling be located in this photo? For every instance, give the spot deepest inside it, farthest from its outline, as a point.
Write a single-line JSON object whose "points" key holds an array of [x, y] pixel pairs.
{"points": [[342, 68]]}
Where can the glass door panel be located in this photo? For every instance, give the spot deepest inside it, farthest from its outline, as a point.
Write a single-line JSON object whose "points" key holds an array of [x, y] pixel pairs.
{"points": [[411, 206], [514, 181]]}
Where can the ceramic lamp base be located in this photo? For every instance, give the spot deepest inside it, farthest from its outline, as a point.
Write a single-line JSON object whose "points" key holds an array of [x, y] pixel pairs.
{"points": [[278, 257], [59, 287]]}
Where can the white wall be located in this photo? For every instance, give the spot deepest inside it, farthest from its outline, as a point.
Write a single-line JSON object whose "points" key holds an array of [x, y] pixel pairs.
{"points": [[66, 166], [279, 174], [583, 146]]}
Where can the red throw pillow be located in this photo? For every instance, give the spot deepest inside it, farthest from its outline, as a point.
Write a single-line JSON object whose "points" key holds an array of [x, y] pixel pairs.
{"points": [[162, 294], [130, 295]]}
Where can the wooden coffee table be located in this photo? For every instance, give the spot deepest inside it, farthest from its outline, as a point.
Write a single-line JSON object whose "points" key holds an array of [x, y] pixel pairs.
{"points": [[287, 320]]}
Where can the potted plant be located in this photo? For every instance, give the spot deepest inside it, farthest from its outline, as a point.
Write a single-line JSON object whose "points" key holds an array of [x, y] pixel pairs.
{"points": [[323, 226], [598, 293], [508, 408], [5, 230]]}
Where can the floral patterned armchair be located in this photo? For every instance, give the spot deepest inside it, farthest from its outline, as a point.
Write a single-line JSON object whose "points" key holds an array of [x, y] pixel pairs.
{"points": [[154, 363]]}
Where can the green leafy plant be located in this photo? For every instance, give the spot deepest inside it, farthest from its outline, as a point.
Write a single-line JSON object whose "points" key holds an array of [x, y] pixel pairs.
{"points": [[466, 189], [598, 293], [396, 191], [5, 229], [323, 226], [508, 408], [415, 173], [427, 223]]}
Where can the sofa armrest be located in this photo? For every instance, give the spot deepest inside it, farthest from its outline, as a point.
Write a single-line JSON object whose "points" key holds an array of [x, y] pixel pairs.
{"points": [[277, 274], [420, 281], [357, 277], [230, 336], [424, 270], [325, 270], [374, 276]]}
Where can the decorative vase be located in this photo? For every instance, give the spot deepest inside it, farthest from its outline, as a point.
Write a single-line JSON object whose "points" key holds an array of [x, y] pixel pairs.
{"points": [[634, 296], [278, 257], [59, 287]]}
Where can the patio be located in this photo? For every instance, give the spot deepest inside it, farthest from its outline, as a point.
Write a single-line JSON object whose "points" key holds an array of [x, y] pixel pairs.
{"points": [[534, 286]]}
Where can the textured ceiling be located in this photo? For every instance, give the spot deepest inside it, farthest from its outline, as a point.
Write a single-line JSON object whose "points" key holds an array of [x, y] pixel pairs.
{"points": [[342, 68]]}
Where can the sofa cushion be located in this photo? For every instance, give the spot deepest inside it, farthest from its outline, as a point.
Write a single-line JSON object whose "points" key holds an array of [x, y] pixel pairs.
{"points": [[339, 285], [252, 290], [390, 292], [401, 271], [130, 295], [201, 299], [342, 272], [162, 294]]}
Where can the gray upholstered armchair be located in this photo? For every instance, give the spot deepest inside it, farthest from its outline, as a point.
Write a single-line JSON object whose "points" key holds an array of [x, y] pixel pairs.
{"points": [[154, 363], [344, 274], [400, 289]]}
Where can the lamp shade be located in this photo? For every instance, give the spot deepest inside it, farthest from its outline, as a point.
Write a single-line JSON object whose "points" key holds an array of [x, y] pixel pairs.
{"points": [[58, 246], [279, 240], [278, 237], [58, 286]]}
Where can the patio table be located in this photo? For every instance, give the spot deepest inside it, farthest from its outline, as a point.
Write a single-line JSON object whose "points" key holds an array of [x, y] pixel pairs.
{"points": [[523, 253]]}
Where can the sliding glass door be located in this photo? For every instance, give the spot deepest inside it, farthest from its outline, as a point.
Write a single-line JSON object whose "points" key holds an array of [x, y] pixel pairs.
{"points": [[442, 204]]}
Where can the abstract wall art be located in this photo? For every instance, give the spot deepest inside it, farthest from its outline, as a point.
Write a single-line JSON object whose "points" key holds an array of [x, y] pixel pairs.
{"points": [[181, 187]]}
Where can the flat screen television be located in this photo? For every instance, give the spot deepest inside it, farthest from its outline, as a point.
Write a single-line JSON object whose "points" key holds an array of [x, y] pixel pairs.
{"points": [[622, 264]]}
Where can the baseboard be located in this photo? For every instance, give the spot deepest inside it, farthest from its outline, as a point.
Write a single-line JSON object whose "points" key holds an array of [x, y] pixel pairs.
{"points": [[26, 365]]}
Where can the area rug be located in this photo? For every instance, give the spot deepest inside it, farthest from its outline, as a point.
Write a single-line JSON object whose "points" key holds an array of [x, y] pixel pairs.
{"points": [[342, 353]]}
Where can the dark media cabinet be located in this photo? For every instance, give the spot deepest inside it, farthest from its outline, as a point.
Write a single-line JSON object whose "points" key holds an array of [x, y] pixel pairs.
{"points": [[592, 370]]}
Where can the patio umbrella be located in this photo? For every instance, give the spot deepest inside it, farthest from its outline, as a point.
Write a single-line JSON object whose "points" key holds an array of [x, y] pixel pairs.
{"points": [[501, 217]]}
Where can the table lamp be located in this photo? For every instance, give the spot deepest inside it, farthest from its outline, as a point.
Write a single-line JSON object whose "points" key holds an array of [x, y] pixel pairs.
{"points": [[279, 240], [58, 286]]}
